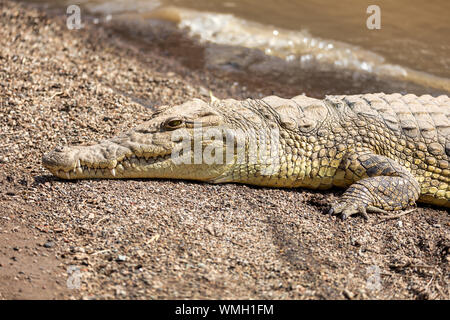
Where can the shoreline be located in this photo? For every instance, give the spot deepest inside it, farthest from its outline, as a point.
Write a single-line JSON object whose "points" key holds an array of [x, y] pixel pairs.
{"points": [[158, 31], [159, 239]]}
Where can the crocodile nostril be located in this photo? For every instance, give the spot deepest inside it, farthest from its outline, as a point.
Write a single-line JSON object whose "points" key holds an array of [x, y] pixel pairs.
{"points": [[61, 149]]}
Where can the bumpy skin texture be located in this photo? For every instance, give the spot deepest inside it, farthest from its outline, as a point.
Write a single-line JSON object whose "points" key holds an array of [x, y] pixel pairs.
{"points": [[389, 151]]}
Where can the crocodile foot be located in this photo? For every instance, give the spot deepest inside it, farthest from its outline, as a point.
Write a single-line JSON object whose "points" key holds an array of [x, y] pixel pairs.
{"points": [[388, 187], [346, 209]]}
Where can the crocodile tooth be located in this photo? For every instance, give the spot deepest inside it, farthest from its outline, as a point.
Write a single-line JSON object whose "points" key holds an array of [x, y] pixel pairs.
{"points": [[80, 170], [78, 163], [113, 164], [67, 175], [113, 172], [120, 167]]}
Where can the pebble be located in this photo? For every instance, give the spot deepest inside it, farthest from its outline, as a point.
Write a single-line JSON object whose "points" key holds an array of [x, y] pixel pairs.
{"points": [[121, 292], [121, 258], [348, 294], [355, 242], [49, 244]]}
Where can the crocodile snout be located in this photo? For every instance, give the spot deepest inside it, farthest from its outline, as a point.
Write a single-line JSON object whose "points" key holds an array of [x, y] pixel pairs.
{"points": [[62, 157]]}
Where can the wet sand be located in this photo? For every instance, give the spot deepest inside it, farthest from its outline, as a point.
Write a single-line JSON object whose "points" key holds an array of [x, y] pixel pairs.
{"points": [[156, 239]]}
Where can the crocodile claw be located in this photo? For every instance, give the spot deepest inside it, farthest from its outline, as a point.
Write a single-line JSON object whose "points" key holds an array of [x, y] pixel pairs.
{"points": [[345, 209]]}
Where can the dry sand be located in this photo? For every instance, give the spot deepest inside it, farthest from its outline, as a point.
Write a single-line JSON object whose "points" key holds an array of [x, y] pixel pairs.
{"points": [[144, 239]]}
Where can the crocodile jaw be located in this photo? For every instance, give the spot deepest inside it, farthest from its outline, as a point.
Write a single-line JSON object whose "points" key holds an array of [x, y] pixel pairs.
{"points": [[90, 162], [120, 158]]}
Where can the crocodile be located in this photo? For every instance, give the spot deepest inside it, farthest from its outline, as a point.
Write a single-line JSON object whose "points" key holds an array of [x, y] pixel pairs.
{"points": [[387, 150]]}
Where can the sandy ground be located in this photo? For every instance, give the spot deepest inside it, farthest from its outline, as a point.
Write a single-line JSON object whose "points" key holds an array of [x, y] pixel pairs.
{"points": [[143, 239]]}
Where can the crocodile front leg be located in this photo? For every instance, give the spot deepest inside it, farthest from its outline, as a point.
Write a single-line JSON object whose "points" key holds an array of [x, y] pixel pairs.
{"points": [[384, 185]]}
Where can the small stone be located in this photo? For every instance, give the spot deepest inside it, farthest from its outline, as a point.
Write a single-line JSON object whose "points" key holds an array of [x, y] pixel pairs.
{"points": [[140, 253], [210, 230], [49, 244], [121, 258], [121, 292], [348, 294], [355, 242]]}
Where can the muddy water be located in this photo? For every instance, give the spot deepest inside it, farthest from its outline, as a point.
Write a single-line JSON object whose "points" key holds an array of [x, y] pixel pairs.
{"points": [[414, 33], [324, 42]]}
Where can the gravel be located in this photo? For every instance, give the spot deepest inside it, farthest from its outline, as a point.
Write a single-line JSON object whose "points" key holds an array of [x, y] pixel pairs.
{"points": [[157, 239]]}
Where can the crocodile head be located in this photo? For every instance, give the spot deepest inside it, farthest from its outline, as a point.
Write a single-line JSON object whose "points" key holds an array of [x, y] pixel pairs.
{"points": [[172, 144]]}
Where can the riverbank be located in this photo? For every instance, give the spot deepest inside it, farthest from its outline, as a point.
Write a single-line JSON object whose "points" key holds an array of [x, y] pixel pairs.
{"points": [[143, 239]]}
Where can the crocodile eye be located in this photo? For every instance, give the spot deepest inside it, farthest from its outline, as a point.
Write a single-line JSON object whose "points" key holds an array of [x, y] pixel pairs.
{"points": [[173, 123]]}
